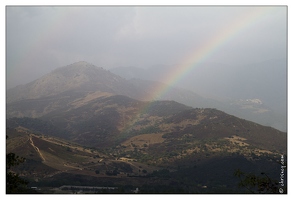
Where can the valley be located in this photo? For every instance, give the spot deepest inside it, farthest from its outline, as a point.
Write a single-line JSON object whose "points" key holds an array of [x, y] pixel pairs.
{"points": [[84, 126], [140, 160], [238, 92]]}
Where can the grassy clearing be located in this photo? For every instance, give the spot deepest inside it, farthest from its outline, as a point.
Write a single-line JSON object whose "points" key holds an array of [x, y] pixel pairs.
{"points": [[237, 140], [144, 140], [89, 97]]}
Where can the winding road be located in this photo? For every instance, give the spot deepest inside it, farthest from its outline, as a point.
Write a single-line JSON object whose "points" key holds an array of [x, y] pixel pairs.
{"points": [[36, 148]]}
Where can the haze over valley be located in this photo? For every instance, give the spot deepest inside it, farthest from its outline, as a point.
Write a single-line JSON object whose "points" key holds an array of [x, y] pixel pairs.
{"points": [[258, 94]]}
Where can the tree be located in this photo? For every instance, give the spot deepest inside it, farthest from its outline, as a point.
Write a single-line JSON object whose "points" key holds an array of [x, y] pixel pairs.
{"points": [[14, 184], [257, 184]]}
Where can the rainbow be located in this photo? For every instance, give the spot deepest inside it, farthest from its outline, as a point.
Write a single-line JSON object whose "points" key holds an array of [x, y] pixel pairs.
{"points": [[209, 47], [202, 53], [48, 33]]}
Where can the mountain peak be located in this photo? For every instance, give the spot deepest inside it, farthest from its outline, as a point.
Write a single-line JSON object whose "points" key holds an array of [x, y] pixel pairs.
{"points": [[81, 76], [77, 66], [80, 64]]}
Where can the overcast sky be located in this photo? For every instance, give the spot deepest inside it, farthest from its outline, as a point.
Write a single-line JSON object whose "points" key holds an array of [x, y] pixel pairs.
{"points": [[40, 39]]}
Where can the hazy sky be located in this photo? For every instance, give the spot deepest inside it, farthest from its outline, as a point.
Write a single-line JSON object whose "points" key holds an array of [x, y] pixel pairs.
{"points": [[40, 39]]}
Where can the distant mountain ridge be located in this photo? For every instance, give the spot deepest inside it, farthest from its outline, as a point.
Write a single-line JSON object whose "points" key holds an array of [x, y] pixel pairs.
{"points": [[228, 86], [81, 82], [265, 80], [80, 76], [82, 99]]}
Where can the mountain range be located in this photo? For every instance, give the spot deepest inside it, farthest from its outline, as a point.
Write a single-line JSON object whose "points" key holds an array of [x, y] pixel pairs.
{"points": [[85, 125], [230, 88]]}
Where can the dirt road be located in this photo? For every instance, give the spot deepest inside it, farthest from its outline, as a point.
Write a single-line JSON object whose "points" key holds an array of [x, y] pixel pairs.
{"points": [[36, 148]]}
